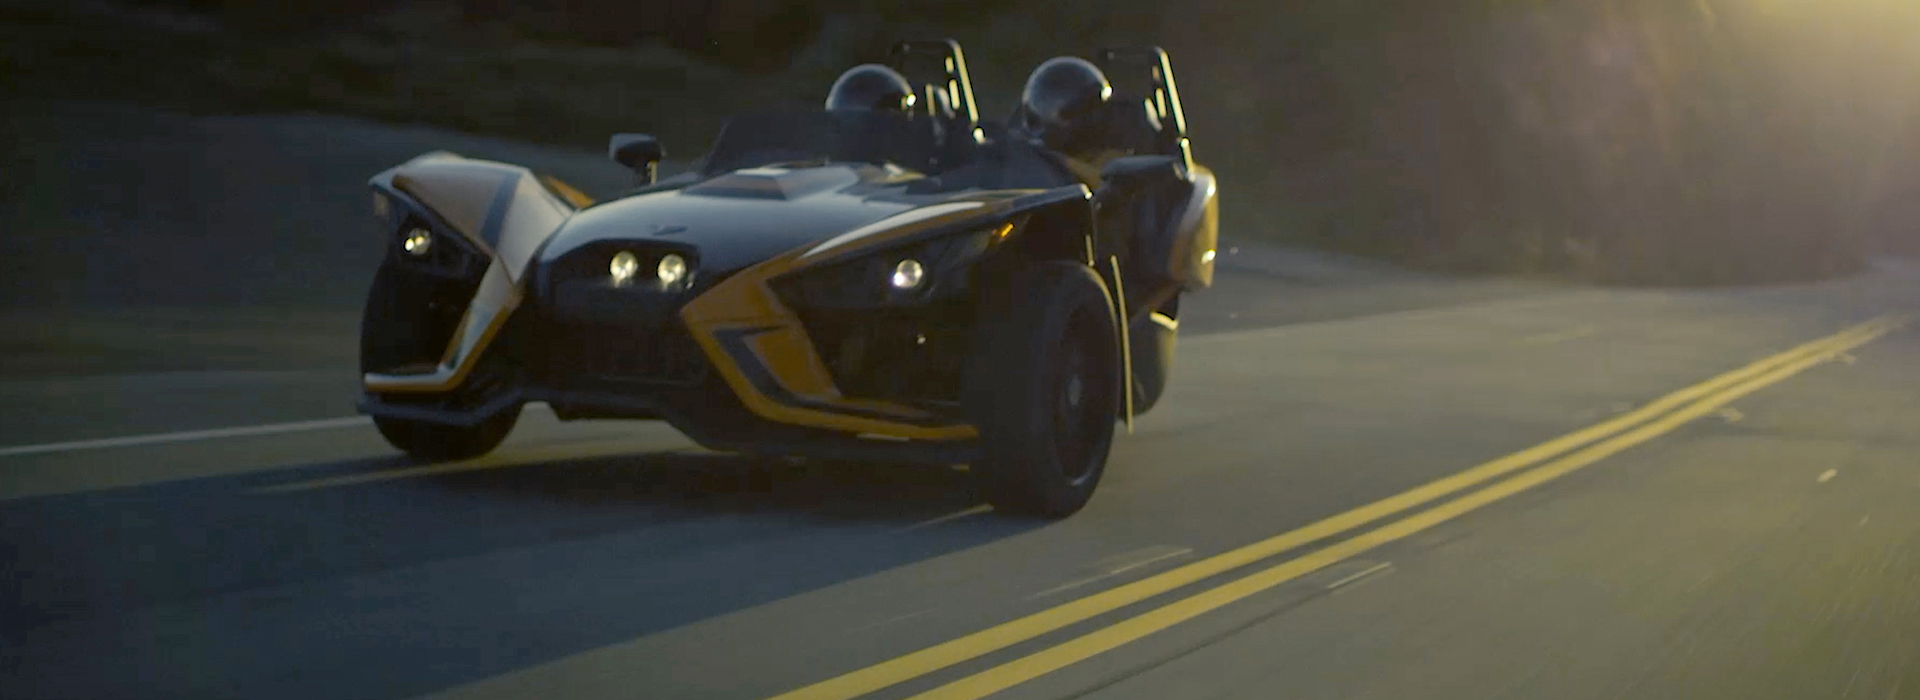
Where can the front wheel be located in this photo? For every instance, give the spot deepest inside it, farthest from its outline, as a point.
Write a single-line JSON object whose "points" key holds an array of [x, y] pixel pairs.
{"points": [[434, 442], [1044, 389]]}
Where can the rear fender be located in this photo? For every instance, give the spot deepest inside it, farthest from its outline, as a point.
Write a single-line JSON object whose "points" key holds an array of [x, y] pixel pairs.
{"points": [[1196, 233]]}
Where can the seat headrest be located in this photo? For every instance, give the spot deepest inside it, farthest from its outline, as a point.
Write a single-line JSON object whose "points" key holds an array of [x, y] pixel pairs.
{"points": [[1133, 124], [939, 103]]}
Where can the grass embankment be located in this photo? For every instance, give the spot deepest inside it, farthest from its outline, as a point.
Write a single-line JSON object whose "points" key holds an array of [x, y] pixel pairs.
{"points": [[1716, 141]]}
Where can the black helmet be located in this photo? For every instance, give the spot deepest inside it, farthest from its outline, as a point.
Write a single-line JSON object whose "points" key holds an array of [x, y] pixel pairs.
{"points": [[871, 87], [1061, 96]]}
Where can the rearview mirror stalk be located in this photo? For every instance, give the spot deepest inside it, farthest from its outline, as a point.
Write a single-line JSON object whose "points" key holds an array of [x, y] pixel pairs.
{"points": [[641, 153]]}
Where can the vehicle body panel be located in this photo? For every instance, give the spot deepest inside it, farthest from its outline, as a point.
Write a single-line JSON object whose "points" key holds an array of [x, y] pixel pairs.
{"points": [[502, 210], [729, 354]]}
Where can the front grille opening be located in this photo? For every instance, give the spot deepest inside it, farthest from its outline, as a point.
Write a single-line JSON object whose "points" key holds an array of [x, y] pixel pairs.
{"points": [[585, 356], [914, 357], [594, 336]]}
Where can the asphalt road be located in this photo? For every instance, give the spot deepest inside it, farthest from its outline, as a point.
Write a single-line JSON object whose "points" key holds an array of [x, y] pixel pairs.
{"points": [[1763, 548], [1364, 483]]}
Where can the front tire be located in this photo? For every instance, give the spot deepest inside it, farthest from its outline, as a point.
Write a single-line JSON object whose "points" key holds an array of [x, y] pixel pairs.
{"points": [[434, 442], [1044, 389]]}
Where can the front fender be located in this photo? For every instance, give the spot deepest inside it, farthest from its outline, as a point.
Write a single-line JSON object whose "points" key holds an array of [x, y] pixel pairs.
{"points": [[505, 212]]}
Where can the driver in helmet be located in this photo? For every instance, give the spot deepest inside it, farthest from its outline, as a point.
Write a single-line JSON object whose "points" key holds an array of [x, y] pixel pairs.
{"points": [[900, 134], [871, 88], [1060, 112]]}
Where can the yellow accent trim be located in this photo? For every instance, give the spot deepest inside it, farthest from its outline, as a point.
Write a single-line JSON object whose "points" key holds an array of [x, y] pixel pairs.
{"points": [[788, 355], [1000, 234], [575, 197], [767, 408], [1126, 341], [745, 300]]}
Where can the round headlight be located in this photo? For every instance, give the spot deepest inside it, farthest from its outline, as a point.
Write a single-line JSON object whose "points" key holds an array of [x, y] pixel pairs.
{"points": [[622, 267], [908, 274], [417, 242], [672, 270]]}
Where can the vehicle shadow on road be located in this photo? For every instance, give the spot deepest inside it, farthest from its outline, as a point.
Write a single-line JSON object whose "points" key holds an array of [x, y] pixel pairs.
{"points": [[694, 483], [703, 534]]}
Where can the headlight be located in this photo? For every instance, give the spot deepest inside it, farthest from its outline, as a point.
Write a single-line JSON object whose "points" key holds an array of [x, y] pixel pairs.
{"points": [[629, 268], [921, 271], [421, 244], [908, 275], [671, 271], [417, 242], [621, 268]]}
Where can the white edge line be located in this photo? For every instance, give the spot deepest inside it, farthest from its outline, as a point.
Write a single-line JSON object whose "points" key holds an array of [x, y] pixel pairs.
{"points": [[187, 436], [950, 517], [1110, 573], [1574, 333], [1369, 571], [192, 435]]}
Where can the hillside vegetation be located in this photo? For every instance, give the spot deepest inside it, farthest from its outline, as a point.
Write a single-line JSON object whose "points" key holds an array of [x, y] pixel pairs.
{"points": [[1647, 141]]}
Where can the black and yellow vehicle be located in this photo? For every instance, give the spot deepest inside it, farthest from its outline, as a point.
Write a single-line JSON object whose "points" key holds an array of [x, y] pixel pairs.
{"points": [[891, 278]]}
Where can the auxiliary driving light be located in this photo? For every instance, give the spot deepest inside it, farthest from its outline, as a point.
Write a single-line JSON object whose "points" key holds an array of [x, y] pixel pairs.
{"points": [[417, 242], [622, 267], [672, 270], [908, 274]]}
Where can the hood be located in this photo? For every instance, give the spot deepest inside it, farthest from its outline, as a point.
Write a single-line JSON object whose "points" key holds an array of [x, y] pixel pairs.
{"points": [[744, 217]]}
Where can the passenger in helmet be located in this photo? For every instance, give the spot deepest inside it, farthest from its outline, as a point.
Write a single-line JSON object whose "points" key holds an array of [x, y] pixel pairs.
{"points": [[1061, 110], [871, 88]]}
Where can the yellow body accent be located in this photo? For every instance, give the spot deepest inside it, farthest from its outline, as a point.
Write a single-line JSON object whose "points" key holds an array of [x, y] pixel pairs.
{"points": [[745, 301], [575, 197]]}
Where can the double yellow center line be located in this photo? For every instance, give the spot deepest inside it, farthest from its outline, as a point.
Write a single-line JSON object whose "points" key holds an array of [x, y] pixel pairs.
{"points": [[1554, 458]]}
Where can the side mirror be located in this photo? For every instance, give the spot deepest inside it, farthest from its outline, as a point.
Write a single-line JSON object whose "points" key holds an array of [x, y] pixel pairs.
{"points": [[639, 152]]}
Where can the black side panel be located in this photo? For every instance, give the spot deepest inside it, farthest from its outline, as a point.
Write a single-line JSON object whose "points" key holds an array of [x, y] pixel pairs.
{"points": [[1059, 225], [1139, 201]]}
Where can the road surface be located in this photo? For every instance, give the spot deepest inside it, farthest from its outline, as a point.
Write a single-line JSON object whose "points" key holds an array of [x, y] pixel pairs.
{"points": [[1363, 484], [1753, 538]]}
